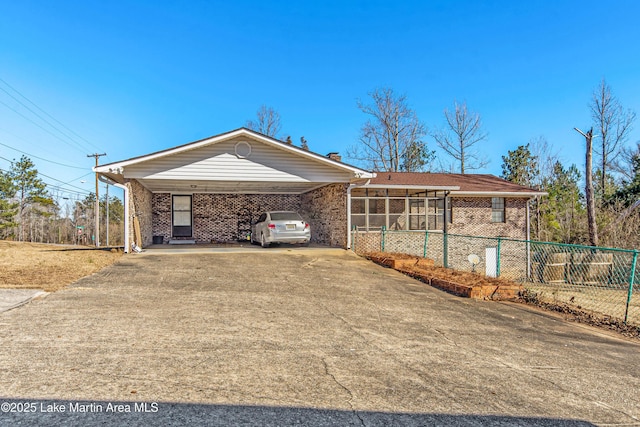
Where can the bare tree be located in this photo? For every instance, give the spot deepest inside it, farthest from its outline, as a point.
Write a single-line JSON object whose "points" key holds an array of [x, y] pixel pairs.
{"points": [[613, 124], [547, 158], [463, 131], [392, 139], [543, 175], [624, 164], [267, 122]]}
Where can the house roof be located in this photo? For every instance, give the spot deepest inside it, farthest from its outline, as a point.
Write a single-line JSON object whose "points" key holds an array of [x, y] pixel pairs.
{"points": [[458, 184], [260, 164]]}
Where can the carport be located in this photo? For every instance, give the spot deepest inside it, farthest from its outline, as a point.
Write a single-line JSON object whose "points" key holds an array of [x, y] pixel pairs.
{"points": [[209, 191]]}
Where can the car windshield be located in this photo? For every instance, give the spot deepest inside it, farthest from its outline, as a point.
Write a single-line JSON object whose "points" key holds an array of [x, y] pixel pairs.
{"points": [[286, 216]]}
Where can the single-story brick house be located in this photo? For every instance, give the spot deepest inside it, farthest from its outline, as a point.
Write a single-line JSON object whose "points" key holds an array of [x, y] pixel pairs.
{"points": [[213, 189]]}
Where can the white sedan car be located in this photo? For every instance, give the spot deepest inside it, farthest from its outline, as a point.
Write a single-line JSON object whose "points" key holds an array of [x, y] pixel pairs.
{"points": [[281, 227]]}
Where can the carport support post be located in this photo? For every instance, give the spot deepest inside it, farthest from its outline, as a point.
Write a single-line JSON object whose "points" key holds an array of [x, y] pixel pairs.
{"points": [[632, 279]]}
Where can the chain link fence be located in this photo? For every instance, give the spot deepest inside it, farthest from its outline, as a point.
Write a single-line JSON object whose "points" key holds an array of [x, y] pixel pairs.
{"points": [[601, 280]]}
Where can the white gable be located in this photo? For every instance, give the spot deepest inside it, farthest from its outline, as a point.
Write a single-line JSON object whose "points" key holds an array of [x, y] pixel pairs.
{"points": [[220, 162], [238, 162]]}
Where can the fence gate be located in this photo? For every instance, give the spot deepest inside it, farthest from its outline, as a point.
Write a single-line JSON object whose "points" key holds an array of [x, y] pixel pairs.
{"points": [[491, 261]]}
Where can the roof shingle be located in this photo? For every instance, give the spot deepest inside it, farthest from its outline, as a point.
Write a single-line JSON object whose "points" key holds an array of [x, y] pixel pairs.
{"points": [[466, 182]]}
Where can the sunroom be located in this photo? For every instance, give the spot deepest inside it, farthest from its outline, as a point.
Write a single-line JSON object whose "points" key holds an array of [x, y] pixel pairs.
{"points": [[400, 208]]}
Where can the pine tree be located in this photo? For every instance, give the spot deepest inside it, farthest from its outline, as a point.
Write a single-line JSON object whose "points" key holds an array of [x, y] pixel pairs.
{"points": [[30, 191], [564, 212], [8, 207], [520, 166]]}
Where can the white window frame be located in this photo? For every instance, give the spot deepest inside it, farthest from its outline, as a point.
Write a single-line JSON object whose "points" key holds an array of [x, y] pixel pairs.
{"points": [[498, 210]]}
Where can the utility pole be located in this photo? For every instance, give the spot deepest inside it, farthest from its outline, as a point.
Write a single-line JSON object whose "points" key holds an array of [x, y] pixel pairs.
{"points": [[588, 191], [107, 205], [97, 231]]}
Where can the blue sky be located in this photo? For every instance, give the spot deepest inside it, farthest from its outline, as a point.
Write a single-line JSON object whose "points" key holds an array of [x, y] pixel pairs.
{"points": [[129, 78]]}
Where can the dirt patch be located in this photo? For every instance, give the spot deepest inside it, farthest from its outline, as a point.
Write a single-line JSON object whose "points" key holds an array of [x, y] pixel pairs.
{"points": [[419, 267], [462, 283], [49, 267], [581, 315]]}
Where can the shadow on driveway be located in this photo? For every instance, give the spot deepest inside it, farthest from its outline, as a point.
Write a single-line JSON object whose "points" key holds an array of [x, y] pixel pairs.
{"points": [[56, 412]]}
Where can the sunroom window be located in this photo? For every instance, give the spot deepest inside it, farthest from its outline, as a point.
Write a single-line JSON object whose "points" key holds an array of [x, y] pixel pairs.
{"points": [[397, 209]]}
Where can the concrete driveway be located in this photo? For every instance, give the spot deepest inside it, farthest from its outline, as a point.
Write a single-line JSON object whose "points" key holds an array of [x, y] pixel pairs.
{"points": [[295, 336]]}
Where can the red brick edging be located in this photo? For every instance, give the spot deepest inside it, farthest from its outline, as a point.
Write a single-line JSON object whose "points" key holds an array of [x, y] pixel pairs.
{"points": [[407, 266]]}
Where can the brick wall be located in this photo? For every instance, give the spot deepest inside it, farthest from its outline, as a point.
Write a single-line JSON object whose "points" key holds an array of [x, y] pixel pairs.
{"points": [[472, 216], [162, 216], [215, 216], [140, 206], [326, 210]]}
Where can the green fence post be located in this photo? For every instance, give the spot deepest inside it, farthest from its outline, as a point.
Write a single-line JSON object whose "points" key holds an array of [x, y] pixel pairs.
{"points": [[382, 238], [445, 249], [354, 237], [632, 279], [498, 258], [426, 238], [357, 234]]}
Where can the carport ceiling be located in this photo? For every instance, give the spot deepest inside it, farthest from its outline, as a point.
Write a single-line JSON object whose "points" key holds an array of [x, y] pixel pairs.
{"points": [[227, 187]]}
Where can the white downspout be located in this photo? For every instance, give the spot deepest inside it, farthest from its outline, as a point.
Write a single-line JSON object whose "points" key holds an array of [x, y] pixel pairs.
{"points": [[126, 215], [349, 215], [126, 208]]}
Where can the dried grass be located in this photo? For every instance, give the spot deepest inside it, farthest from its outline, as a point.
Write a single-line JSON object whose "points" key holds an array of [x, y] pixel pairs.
{"points": [[49, 267]]}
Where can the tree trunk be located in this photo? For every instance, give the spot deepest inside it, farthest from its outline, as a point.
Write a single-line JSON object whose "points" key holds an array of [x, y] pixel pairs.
{"points": [[461, 157], [603, 176], [591, 206]]}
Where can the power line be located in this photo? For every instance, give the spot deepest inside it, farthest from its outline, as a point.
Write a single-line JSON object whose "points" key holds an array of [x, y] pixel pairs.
{"points": [[39, 116], [55, 179], [41, 158], [40, 126], [52, 150], [65, 190], [43, 111], [68, 183]]}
